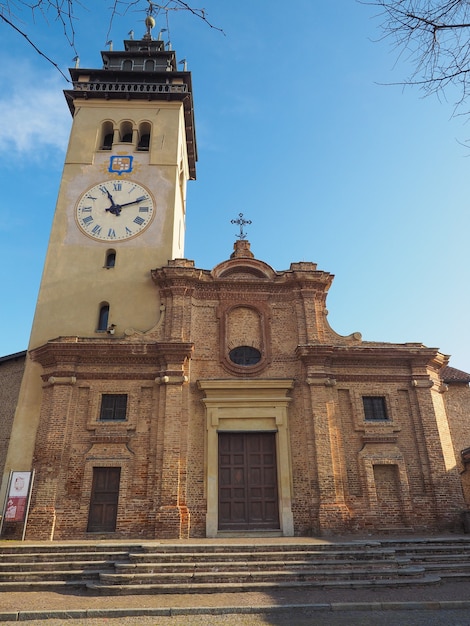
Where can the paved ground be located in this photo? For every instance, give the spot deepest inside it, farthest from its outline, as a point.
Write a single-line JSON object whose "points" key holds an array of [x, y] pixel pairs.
{"points": [[446, 604], [296, 618]]}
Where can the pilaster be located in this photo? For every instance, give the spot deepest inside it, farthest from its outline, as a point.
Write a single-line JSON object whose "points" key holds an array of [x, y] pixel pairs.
{"points": [[445, 480], [48, 461], [333, 513], [173, 516]]}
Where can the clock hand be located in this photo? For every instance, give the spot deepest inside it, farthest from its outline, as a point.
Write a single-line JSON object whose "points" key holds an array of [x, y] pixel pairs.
{"points": [[109, 195], [133, 202], [115, 209]]}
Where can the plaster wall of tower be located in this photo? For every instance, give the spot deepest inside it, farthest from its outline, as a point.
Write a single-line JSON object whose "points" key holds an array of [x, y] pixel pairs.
{"points": [[11, 374], [75, 281], [23, 434]]}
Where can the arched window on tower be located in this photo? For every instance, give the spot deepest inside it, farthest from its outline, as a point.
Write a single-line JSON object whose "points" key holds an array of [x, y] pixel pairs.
{"points": [[127, 65], [144, 137], [110, 260], [103, 317], [126, 132], [107, 136], [149, 65]]}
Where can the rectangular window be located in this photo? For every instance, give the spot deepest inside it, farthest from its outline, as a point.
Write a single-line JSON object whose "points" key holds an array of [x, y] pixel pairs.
{"points": [[113, 406], [375, 408]]}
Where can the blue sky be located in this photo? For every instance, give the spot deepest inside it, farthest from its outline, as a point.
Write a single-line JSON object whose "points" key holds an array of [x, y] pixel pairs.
{"points": [[297, 130]]}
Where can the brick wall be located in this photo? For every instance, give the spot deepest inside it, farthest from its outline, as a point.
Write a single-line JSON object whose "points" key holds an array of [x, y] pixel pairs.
{"points": [[345, 473], [457, 403], [11, 373]]}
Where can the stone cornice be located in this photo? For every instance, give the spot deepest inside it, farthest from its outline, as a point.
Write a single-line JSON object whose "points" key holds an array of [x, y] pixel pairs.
{"points": [[65, 355], [367, 354]]}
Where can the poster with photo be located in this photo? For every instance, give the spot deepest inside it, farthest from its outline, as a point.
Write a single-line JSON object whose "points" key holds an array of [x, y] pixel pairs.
{"points": [[17, 496]]}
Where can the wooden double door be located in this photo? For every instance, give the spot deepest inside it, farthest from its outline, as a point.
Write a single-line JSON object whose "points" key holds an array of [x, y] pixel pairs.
{"points": [[248, 490]]}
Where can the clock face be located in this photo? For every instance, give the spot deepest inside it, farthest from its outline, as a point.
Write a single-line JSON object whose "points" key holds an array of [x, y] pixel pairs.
{"points": [[115, 210]]}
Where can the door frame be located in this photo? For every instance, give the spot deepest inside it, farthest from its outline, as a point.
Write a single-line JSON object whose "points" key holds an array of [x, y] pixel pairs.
{"points": [[243, 406]]}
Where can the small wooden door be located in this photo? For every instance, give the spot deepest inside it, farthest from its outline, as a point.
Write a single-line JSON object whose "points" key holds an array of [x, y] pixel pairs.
{"points": [[248, 493], [104, 499]]}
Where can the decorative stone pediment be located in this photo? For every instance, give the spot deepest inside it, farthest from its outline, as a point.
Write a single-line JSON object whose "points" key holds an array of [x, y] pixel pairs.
{"points": [[242, 265]]}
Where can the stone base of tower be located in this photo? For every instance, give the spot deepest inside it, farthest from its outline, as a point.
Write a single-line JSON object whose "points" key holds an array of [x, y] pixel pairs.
{"points": [[172, 522], [41, 523]]}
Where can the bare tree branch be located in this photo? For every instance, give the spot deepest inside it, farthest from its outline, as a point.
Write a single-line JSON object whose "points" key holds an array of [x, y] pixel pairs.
{"points": [[2, 17], [63, 12], [434, 37]]}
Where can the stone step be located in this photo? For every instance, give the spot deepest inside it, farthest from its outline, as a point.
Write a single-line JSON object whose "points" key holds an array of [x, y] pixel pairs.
{"points": [[56, 575], [61, 557], [455, 575], [430, 540], [52, 566], [359, 549], [254, 548], [44, 585], [53, 570], [247, 576], [214, 566], [278, 555], [436, 558], [187, 567], [204, 588], [461, 568], [69, 548], [433, 549]]}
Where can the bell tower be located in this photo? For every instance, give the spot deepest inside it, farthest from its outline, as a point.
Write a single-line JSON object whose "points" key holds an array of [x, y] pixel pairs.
{"points": [[122, 200], [120, 210]]}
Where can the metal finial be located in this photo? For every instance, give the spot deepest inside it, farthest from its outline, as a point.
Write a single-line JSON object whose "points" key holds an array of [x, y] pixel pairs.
{"points": [[241, 222], [149, 21]]}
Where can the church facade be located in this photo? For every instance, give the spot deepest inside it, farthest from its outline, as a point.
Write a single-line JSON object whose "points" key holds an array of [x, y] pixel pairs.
{"points": [[161, 400]]}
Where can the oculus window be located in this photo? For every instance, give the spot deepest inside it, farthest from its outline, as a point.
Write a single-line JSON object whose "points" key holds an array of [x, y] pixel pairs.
{"points": [[245, 355]]}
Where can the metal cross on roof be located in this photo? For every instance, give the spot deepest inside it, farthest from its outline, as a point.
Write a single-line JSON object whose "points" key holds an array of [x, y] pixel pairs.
{"points": [[241, 222]]}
